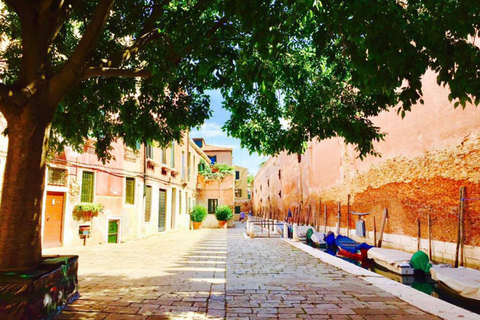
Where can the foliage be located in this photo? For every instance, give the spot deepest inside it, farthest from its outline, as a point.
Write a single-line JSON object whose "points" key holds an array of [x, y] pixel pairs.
{"points": [[217, 172], [223, 213], [290, 71], [86, 211], [199, 213], [250, 178]]}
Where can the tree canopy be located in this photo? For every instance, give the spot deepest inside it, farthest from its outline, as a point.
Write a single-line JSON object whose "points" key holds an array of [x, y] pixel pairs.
{"points": [[290, 71]]}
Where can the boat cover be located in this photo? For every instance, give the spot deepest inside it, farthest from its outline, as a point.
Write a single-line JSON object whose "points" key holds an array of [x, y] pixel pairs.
{"points": [[350, 245], [302, 231], [318, 238], [420, 261], [330, 239], [390, 256], [464, 281]]}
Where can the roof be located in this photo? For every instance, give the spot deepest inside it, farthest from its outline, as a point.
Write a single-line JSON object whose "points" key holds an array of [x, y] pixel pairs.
{"points": [[200, 151], [207, 148]]}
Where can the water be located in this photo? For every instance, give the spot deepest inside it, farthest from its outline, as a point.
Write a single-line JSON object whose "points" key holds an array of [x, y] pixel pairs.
{"points": [[424, 283]]}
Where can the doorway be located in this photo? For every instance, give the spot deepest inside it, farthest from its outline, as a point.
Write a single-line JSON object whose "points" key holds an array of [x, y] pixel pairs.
{"points": [[162, 206], [113, 231], [53, 225], [174, 208]]}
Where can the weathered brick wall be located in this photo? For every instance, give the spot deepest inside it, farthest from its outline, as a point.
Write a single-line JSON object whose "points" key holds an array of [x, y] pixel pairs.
{"points": [[426, 158]]}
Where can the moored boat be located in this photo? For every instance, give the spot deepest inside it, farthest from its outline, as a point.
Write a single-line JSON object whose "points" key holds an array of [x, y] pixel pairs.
{"points": [[394, 260], [350, 248], [464, 282]]}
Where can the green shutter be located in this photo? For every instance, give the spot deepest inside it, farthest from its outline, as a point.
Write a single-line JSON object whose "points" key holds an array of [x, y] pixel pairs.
{"points": [[148, 203], [130, 191], [87, 187], [237, 209], [162, 206]]}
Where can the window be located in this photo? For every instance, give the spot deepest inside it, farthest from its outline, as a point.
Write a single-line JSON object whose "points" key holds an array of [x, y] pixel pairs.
{"points": [[280, 193], [183, 165], [212, 205], [238, 193], [213, 159], [237, 209], [199, 143], [279, 174], [148, 203], [57, 177], [189, 162], [172, 155], [237, 175], [164, 155], [268, 183], [249, 194], [87, 187], [180, 201], [130, 191], [149, 151]]}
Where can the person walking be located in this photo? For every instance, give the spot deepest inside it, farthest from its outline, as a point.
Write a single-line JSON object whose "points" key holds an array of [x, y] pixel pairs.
{"points": [[242, 217]]}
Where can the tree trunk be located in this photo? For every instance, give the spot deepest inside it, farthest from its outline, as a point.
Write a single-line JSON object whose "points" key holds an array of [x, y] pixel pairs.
{"points": [[22, 194]]}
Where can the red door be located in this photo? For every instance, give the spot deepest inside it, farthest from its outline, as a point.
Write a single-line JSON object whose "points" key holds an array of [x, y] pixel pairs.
{"points": [[52, 234]]}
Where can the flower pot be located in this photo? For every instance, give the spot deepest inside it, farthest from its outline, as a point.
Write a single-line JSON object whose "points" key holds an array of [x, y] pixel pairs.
{"points": [[197, 225], [222, 224]]}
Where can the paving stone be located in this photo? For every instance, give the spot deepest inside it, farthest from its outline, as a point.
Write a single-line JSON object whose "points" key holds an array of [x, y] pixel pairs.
{"points": [[219, 274]]}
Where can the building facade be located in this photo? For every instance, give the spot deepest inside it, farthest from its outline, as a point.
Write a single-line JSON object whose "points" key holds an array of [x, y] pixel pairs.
{"points": [[213, 193], [143, 192], [425, 159], [242, 191]]}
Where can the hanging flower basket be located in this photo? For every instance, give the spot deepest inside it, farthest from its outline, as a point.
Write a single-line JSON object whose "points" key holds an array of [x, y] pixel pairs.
{"points": [[86, 211]]}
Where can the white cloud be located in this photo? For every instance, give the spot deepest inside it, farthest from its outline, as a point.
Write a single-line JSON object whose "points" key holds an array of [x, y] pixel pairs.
{"points": [[209, 130]]}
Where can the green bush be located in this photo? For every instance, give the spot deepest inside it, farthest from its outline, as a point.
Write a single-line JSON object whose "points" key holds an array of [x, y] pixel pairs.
{"points": [[86, 211], [199, 213], [223, 213]]}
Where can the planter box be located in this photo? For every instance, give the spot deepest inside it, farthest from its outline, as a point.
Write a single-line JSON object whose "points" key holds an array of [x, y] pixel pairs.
{"points": [[41, 292]]}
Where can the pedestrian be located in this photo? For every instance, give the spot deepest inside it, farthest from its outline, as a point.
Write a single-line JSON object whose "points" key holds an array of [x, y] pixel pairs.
{"points": [[242, 216]]}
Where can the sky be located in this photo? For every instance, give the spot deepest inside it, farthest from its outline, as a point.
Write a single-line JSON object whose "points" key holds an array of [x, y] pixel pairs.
{"points": [[213, 134]]}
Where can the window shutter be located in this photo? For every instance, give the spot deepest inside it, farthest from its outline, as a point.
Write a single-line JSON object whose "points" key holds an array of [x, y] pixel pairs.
{"points": [[87, 187]]}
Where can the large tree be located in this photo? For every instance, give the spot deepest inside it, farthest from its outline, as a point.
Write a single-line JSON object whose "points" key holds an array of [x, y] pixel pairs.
{"points": [[289, 70]]}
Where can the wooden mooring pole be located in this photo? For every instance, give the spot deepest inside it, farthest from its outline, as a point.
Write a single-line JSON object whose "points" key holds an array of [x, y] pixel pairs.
{"points": [[374, 231], [348, 216], [384, 221], [419, 234], [429, 237], [325, 225], [460, 227]]}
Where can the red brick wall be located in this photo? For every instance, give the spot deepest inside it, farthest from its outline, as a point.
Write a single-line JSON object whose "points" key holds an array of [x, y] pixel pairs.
{"points": [[426, 158]]}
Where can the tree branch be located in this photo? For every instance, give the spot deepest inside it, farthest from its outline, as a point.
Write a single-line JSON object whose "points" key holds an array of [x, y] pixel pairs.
{"points": [[114, 72], [70, 73]]}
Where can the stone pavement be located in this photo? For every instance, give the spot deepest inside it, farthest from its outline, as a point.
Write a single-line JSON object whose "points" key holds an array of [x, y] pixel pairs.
{"points": [[217, 274]]}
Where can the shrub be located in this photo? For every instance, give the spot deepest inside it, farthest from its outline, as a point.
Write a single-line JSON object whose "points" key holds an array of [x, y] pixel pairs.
{"points": [[223, 213], [199, 213], [86, 211]]}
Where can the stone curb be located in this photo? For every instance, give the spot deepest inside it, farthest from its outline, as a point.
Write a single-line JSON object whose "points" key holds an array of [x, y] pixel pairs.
{"points": [[408, 294]]}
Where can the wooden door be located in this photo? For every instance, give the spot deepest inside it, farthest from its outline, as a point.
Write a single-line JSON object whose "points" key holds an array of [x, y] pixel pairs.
{"points": [[52, 233]]}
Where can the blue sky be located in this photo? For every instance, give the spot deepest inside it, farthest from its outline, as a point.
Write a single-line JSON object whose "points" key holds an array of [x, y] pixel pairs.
{"points": [[213, 134]]}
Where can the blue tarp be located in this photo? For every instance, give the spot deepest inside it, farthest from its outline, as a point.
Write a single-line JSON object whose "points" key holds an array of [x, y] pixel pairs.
{"points": [[350, 245], [330, 239]]}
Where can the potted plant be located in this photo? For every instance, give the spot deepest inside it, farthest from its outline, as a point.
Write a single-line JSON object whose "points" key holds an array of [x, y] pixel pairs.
{"points": [[86, 211], [223, 214], [198, 214]]}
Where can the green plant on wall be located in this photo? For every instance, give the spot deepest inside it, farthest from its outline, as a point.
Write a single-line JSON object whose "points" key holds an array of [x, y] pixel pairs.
{"points": [[86, 211], [217, 171], [223, 213], [199, 213]]}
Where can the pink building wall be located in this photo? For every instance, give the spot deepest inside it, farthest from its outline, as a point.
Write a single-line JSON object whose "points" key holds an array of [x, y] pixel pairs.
{"points": [[425, 159]]}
